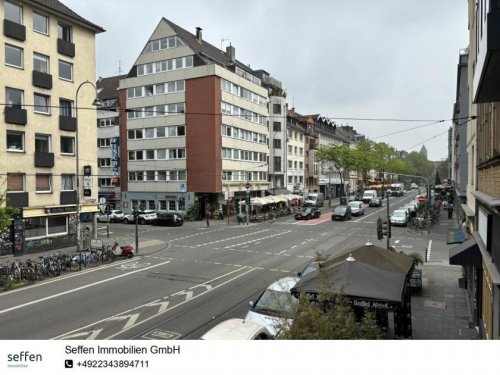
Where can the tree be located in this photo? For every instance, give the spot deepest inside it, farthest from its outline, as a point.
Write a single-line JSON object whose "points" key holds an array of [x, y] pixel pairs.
{"points": [[339, 157], [437, 181], [6, 213], [363, 160], [421, 165]]}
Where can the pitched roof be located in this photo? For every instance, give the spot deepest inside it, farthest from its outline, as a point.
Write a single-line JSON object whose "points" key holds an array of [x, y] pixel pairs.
{"points": [[58, 7], [108, 87], [206, 51]]}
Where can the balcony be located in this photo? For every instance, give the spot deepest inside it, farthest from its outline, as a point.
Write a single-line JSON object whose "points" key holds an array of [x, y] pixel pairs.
{"points": [[42, 80], [486, 83], [44, 159], [18, 199], [67, 123], [68, 197], [14, 30], [66, 48], [15, 115]]}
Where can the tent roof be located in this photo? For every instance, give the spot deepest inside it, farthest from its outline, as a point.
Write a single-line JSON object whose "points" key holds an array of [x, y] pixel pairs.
{"points": [[355, 279], [376, 256]]}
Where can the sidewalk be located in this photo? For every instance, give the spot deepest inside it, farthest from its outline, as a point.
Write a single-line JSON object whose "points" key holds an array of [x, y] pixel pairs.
{"points": [[440, 311]]}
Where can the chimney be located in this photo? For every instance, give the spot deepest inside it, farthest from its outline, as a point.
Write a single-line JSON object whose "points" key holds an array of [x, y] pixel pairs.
{"points": [[198, 34], [231, 53]]}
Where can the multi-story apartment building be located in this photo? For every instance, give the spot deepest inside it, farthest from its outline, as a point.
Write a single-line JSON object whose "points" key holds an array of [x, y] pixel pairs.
{"points": [[277, 133], [196, 121], [480, 255], [47, 71], [311, 142], [329, 134], [295, 156], [108, 141]]}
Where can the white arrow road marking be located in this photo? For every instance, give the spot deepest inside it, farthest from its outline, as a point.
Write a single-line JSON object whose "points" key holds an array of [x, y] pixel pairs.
{"points": [[131, 319], [188, 294], [163, 305], [93, 335], [79, 288]]}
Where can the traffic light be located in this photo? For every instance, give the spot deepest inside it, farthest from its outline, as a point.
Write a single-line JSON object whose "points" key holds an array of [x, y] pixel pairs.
{"points": [[386, 228], [135, 212], [380, 232]]}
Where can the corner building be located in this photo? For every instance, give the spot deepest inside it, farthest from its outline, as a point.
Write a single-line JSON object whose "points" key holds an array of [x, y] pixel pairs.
{"points": [[196, 126], [48, 51]]}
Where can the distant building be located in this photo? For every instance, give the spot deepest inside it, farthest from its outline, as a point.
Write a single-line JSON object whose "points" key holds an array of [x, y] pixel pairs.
{"points": [[423, 151]]}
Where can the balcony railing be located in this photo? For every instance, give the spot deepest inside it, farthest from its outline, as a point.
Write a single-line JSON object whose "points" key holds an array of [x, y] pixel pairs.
{"points": [[14, 30], [15, 115], [42, 80], [66, 48], [44, 159]]}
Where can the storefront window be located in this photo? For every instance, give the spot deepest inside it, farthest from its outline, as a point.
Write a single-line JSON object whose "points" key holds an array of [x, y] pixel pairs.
{"points": [[34, 227], [56, 225]]}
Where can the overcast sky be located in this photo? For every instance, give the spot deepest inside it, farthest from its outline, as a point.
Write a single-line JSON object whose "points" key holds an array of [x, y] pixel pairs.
{"points": [[356, 59]]}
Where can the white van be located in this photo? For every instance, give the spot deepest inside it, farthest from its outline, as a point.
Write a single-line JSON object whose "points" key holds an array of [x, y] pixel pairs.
{"points": [[369, 194], [315, 199]]}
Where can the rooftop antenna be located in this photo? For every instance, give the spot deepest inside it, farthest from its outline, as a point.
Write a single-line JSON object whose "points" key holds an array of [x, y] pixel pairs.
{"points": [[119, 67], [222, 41]]}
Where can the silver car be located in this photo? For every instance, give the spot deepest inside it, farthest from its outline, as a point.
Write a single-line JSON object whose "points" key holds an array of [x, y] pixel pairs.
{"points": [[115, 216], [399, 217], [357, 208]]}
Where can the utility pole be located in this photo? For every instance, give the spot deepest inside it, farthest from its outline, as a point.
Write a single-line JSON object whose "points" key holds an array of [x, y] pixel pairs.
{"points": [[388, 224]]}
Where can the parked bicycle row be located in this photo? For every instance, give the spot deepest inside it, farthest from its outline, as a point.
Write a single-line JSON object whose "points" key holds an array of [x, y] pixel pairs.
{"points": [[29, 270]]}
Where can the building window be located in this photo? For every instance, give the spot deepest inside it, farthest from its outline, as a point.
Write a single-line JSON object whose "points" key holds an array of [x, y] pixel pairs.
{"points": [[56, 225], [104, 142], [104, 162], [67, 145], [277, 163], [277, 126], [163, 205], [65, 70], [41, 63], [64, 32], [277, 109], [171, 205], [67, 182], [13, 12], [43, 183], [36, 227], [277, 143], [42, 143], [40, 23], [42, 104], [151, 205], [65, 108], [105, 182], [15, 141], [13, 56], [15, 182], [14, 97]]}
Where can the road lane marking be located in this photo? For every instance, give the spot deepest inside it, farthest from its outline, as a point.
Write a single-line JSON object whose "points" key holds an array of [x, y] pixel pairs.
{"points": [[79, 288]]}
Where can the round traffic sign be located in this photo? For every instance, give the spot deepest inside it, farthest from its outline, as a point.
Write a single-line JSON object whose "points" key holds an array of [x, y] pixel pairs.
{"points": [[421, 199], [102, 200], [248, 186]]}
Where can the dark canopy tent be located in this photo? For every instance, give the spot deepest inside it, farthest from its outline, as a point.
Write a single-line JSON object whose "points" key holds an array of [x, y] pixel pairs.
{"points": [[376, 256], [355, 279], [371, 277]]}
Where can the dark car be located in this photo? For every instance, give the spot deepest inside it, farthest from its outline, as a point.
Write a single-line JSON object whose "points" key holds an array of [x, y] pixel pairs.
{"points": [[376, 202], [170, 219], [342, 212], [308, 213]]}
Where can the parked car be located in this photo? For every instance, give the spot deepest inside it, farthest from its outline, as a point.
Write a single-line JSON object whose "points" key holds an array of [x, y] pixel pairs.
{"points": [[275, 306], [314, 200], [376, 202], [399, 217], [357, 208], [145, 217], [169, 219], [308, 213], [237, 329], [342, 212], [115, 216]]}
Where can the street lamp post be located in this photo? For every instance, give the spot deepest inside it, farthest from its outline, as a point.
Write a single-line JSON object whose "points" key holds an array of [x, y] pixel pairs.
{"points": [[77, 155]]}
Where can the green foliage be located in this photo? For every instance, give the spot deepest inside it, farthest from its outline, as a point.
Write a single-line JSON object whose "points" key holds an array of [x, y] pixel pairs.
{"points": [[420, 164], [6, 213], [437, 180], [340, 157], [330, 320]]}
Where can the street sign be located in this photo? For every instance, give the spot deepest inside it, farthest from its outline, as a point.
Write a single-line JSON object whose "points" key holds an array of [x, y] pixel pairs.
{"points": [[421, 199], [102, 200], [248, 186]]}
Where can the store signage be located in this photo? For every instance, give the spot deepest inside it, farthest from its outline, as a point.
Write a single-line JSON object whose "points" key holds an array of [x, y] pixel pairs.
{"points": [[59, 210], [371, 304]]}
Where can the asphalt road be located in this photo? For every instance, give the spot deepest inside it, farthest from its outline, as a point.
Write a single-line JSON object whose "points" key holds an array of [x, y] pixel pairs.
{"points": [[185, 280]]}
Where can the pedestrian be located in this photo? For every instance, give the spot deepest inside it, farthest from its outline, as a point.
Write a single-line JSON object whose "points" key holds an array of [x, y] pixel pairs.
{"points": [[450, 210], [239, 217], [207, 217], [221, 215]]}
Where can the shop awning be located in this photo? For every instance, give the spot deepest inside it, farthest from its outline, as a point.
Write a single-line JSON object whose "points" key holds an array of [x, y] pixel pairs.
{"points": [[278, 191], [466, 254]]}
